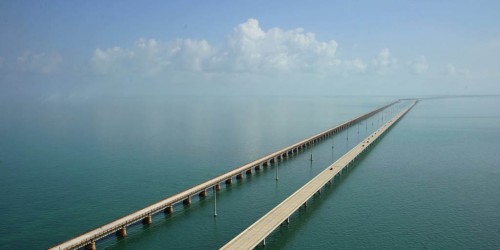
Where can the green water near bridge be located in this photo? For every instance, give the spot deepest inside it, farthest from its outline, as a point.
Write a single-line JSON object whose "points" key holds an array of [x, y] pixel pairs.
{"points": [[69, 166]]}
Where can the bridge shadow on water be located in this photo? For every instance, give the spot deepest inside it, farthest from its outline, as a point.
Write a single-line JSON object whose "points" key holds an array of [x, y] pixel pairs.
{"points": [[278, 238], [140, 235]]}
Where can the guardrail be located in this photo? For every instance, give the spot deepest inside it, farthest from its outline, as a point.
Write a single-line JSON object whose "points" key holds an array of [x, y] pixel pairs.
{"points": [[91, 236]]}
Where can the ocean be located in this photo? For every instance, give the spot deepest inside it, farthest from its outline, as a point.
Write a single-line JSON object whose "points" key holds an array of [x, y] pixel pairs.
{"points": [[71, 165]]}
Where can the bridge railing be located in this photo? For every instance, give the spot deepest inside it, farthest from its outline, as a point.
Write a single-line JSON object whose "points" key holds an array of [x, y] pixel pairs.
{"points": [[156, 207]]}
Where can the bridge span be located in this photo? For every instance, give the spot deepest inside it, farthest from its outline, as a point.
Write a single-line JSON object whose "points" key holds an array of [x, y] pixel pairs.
{"points": [[257, 232], [144, 215]]}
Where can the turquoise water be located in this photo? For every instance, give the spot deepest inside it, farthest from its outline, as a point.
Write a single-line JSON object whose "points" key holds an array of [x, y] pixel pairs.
{"points": [[70, 166]]}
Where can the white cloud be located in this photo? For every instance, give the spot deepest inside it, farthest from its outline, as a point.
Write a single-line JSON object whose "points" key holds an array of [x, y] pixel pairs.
{"points": [[150, 57], [384, 61], [249, 48], [420, 65], [452, 71], [357, 65], [39, 63]]}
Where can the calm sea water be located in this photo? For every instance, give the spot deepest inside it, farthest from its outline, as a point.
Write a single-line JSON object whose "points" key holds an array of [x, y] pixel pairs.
{"points": [[69, 166]]}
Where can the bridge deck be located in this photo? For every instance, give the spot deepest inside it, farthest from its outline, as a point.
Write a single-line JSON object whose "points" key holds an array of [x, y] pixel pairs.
{"points": [[112, 227], [256, 233]]}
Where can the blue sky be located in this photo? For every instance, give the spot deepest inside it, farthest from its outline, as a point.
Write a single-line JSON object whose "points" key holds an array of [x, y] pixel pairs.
{"points": [[406, 48]]}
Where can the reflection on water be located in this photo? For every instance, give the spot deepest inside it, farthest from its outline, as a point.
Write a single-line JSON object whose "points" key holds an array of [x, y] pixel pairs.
{"points": [[70, 166]]}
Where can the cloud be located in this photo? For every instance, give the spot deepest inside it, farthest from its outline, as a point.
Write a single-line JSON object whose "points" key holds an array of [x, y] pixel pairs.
{"points": [[384, 62], [248, 48], [355, 65], [41, 63], [420, 65], [150, 57], [452, 71]]}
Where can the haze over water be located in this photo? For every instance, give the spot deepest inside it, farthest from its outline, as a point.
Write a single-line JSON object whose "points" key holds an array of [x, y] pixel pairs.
{"points": [[69, 167], [107, 107]]}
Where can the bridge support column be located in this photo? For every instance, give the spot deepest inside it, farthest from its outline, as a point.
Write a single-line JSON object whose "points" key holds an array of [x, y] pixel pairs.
{"points": [[169, 210], [265, 164], [203, 193], [187, 201], [91, 246], [239, 176], [249, 171], [229, 181], [147, 220], [217, 187], [122, 232], [257, 167]]}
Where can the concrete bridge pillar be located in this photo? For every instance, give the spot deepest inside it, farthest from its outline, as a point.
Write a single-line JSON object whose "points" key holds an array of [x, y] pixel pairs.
{"points": [[239, 176], [187, 201], [147, 220], [265, 164], [122, 232], [249, 172], [91, 246], [229, 181], [257, 167], [169, 210], [217, 187], [203, 193]]}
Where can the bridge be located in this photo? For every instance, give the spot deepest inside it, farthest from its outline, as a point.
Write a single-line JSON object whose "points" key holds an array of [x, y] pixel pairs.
{"points": [[144, 215], [257, 232]]}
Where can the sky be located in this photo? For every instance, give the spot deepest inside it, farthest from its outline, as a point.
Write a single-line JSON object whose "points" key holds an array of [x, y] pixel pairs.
{"points": [[81, 49]]}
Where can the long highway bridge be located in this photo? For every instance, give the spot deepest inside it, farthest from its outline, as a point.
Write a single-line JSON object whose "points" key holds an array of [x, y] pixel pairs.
{"points": [[257, 233], [119, 226]]}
